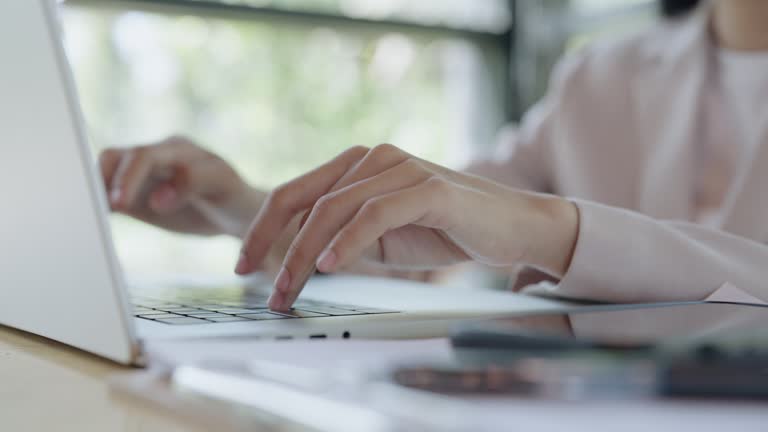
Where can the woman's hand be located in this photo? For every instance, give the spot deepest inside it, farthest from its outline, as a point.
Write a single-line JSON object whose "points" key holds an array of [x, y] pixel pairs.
{"points": [[391, 208], [179, 186]]}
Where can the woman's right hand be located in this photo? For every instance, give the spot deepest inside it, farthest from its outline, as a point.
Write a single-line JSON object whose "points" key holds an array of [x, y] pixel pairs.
{"points": [[177, 185]]}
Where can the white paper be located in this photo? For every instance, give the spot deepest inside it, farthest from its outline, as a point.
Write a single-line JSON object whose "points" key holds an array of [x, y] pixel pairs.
{"points": [[319, 354], [730, 293]]}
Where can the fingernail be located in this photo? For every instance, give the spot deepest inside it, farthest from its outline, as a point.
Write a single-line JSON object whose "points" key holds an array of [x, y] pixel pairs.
{"points": [[276, 300], [242, 264], [115, 196], [326, 261], [282, 281]]}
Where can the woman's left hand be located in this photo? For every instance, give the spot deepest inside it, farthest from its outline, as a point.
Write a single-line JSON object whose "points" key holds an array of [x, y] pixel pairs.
{"points": [[391, 208]]}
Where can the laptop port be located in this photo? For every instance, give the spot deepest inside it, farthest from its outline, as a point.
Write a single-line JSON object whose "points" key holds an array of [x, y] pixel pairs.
{"points": [[318, 336]]}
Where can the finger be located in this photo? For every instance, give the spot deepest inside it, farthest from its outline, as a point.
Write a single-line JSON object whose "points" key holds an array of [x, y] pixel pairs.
{"points": [[331, 213], [124, 178], [288, 200], [385, 156], [155, 162], [108, 163], [427, 204], [171, 195], [377, 160], [303, 220], [131, 175]]}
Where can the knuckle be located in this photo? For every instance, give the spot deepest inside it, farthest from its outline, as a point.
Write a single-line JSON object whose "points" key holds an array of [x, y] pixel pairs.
{"points": [[372, 211], [358, 150], [345, 239], [438, 184], [440, 187], [280, 197], [325, 205], [413, 165], [384, 151]]}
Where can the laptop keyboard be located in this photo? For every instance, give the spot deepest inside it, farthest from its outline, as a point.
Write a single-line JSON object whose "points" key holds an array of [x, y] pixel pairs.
{"points": [[199, 311]]}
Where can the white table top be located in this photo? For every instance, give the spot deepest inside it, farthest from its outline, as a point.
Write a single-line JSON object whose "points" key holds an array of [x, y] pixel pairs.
{"points": [[48, 386]]}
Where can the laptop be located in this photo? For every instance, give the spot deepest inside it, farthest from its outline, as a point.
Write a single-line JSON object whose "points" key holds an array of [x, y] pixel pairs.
{"points": [[59, 275]]}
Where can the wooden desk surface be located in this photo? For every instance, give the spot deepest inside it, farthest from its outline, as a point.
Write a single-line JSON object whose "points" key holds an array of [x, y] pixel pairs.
{"points": [[46, 386]]}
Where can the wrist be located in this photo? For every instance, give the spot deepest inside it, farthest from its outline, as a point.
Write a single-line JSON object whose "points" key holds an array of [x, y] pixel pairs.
{"points": [[555, 225], [241, 209]]}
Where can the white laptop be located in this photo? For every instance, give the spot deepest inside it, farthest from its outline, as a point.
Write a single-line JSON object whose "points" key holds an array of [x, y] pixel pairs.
{"points": [[59, 276]]}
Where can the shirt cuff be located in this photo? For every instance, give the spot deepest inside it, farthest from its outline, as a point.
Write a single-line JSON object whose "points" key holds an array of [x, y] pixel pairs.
{"points": [[611, 261]]}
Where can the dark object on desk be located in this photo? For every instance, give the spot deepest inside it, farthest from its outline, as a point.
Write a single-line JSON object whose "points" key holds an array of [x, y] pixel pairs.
{"points": [[456, 380], [575, 377], [709, 371], [640, 356], [498, 338]]}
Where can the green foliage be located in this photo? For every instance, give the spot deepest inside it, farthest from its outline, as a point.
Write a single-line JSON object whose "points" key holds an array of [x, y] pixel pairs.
{"points": [[274, 98]]}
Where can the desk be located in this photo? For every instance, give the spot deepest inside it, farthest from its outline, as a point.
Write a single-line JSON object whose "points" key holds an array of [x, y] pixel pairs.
{"points": [[46, 386]]}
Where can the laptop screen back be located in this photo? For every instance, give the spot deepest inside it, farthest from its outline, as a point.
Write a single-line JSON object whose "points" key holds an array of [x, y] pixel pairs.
{"points": [[58, 274]]}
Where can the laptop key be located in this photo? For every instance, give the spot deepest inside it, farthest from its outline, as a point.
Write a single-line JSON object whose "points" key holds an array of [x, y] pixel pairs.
{"points": [[183, 310], [342, 306], [211, 306], [234, 311], [182, 320], [160, 316], [149, 312], [375, 310], [258, 309], [208, 315], [263, 316], [298, 313], [330, 311], [228, 319]]}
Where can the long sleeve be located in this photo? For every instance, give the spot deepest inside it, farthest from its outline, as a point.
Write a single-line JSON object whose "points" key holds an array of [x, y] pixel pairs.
{"points": [[595, 139], [522, 158], [577, 140], [624, 256], [518, 160]]}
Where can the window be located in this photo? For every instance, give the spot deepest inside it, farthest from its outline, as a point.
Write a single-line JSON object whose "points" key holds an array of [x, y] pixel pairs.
{"points": [[279, 86], [547, 29]]}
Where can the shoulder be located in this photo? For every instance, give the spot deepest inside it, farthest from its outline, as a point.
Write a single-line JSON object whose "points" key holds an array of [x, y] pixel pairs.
{"points": [[614, 62]]}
